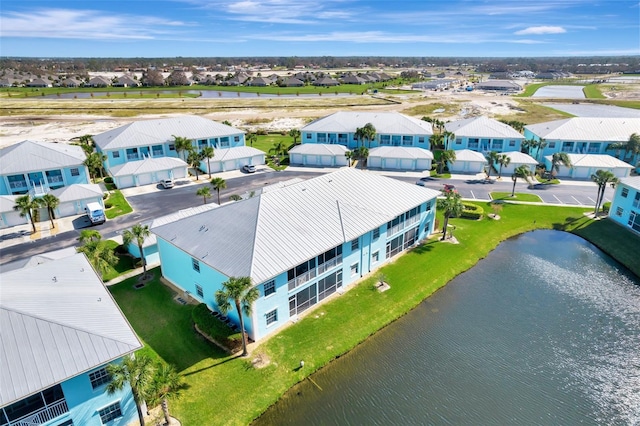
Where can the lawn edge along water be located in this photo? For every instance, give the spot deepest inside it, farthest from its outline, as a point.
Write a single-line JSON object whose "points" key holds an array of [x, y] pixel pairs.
{"points": [[230, 390]]}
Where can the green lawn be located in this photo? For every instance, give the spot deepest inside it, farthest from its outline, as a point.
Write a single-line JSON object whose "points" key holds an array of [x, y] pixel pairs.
{"points": [[592, 91], [518, 196], [229, 390], [119, 204], [125, 264]]}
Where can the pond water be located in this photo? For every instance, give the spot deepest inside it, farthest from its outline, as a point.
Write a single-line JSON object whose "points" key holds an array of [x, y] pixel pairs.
{"points": [[562, 92], [600, 111], [545, 330], [207, 94]]}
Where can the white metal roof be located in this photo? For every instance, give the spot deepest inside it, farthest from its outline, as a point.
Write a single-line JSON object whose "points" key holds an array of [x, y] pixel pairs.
{"points": [[7, 202], [148, 165], [401, 152], [152, 240], [587, 129], [482, 127], [29, 156], [57, 321], [518, 157], [595, 160], [470, 156], [319, 149], [631, 182], [159, 131], [235, 153], [77, 192], [38, 259], [265, 235], [392, 123]]}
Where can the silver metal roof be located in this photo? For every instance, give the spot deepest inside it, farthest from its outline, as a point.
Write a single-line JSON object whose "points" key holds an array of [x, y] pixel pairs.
{"points": [[631, 182], [482, 127], [57, 321], [401, 152], [225, 154], [318, 149], [392, 123], [518, 157], [265, 235], [469, 155], [595, 160], [77, 192], [38, 259], [148, 165], [29, 156], [159, 131], [7, 202], [587, 129]]}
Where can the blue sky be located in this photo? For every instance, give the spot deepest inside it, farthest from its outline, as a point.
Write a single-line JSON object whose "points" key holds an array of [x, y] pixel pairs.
{"points": [[474, 28]]}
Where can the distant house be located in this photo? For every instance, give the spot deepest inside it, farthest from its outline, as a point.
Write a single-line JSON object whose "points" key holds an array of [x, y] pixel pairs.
{"points": [[326, 82], [125, 81], [585, 165], [226, 159], [60, 330], [299, 244], [99, 81], [468, 161], [71, 82], [400, 158], [585, 135], [353, 79], [392, 129], [259, 82], [484, 134], [144, 152], [293, 82], [439, 84], [313, 154], [38, 82], [625, 207], [499, 85]]}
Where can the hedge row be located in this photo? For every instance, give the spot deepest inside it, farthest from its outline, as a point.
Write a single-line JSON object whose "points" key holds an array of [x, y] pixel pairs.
{"points": [[216, 329], [472, 211]]}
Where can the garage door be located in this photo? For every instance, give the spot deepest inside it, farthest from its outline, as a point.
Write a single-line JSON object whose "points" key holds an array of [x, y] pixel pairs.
{"points": [[125, 182], [580, 172], [67, 209], [406, 164], [374, 162], [229, 165], [257, 159], [11, 219], [311, 160], [426, 165], [326, 160], [162, 174], [145, 179], [296, 159], [391, 163]]}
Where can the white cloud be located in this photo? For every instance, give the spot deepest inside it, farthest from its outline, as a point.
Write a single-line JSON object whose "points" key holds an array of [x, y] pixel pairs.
{"points": [[543, 29], [84, 24]]}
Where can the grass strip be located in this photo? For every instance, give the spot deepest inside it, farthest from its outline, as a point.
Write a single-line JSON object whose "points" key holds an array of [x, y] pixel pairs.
{"points": [[518, 196], [119, 205]]}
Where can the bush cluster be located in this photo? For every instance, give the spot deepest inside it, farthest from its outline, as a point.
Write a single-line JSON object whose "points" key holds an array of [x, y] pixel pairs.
{"points": [[472, 211], [216, 329]]}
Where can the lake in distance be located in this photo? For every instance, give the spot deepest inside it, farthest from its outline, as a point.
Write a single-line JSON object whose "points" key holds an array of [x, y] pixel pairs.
{"points": [[544, 331]]}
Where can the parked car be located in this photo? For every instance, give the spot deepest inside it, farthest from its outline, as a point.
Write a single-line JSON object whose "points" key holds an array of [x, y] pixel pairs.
{"points": [[449, 187], [167, 183], [423, 181], [249, 168]]}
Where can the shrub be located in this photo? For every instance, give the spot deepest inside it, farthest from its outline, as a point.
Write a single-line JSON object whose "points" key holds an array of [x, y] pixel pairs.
{"points": [[216, 329], [108, 179], [606, 207], [108, 205], [472, 211]]}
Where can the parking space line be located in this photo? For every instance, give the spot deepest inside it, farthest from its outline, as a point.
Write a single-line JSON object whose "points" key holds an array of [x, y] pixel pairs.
{"points": [[473, 195], [592, 200], [559, 200], [577, 201]]}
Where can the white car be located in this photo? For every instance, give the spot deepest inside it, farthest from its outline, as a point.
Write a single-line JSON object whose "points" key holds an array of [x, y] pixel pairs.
{"points": [[167, 183], [249, 168]]}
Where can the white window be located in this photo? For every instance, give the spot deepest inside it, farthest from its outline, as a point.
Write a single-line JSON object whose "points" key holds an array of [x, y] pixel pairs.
{"points": [[195, 264], [99, 378], [355, 269], [110, 412], [625, 192], [375, 257], [272, 317], [376, 233], [269, 288], [199, 291]]}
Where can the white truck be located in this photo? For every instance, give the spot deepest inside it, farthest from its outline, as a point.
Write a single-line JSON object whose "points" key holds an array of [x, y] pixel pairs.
{"points": [[95, 211]]}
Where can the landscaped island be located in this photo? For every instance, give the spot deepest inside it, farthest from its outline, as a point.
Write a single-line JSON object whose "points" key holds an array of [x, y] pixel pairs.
{"points": [[227, 389]]}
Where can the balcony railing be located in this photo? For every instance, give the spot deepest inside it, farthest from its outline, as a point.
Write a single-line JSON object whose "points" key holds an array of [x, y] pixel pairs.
{"points": [[395, 229], [43, 415], [301, 279], [132, 156], [18, 184], [412, 220], [329, 264], [55, 179]]}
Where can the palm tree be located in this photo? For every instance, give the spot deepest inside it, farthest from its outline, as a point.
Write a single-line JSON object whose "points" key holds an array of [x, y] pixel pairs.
{"points": [[448, 156], [137, 233], [492, 158], [557, 159], [349, 155], [295, 134], [631, 146], [166, 385], [94, 163], [436, 140], [602, 178], [235, 197], [359, 135], [138, 372], [50, 201], [369, 133], [519, 172], [207, 152], [447, 137], [87, 143], [89, 235], [182, 144], [278, 149], [99, 254], [194, 159], [451, 206], [204, 192], [218, 183], [252, 137], [243, 294], [361, 153], [503, 160], [26, 205], [542, 144]]}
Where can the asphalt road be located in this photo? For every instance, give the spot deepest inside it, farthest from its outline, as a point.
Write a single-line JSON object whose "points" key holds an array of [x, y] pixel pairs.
{"points": [[152, 205]]}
